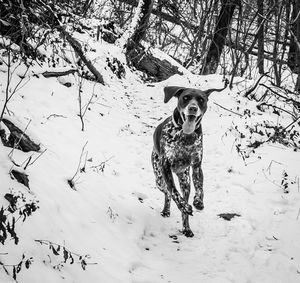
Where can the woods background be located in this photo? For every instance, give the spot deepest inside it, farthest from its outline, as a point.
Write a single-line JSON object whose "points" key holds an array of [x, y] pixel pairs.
{"points": [[103, 59], [202, 35]]}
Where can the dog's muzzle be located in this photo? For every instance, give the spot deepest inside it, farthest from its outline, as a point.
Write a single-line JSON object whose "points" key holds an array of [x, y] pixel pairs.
{"points": [[190, 119]]}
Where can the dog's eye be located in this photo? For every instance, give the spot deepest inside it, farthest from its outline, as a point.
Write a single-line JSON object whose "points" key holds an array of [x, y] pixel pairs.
{"points": [[185, 98], [200, 99]]}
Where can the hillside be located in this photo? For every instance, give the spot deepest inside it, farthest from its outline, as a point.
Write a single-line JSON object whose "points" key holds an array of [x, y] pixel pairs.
{"points": [[106, 226]]}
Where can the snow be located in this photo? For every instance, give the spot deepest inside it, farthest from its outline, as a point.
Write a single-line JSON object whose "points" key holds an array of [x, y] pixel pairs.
{"points": [[113, 215]]}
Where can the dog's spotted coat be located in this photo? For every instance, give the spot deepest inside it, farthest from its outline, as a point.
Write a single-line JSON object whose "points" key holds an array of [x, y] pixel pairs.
{"points": [[176, 151]]}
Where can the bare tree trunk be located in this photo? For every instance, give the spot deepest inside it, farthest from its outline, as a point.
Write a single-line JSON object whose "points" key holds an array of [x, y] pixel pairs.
{"points": [[142, 24], [86, 6], [200, 32], [285, 39], [218, 41], [165, 16], [260, 37], [136, 54], [277, 14], [294, 52], [140, 29], [236, 54]]}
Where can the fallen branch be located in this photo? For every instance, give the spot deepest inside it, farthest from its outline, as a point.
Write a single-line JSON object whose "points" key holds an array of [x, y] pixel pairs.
{"points": [[18, 139], [55, 116], [228, 109], [295, 103], [78, 50], [75, 44], [255, 86], [48, 74]]}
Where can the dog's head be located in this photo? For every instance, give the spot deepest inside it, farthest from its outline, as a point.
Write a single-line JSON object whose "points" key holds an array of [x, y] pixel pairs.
{"points": [[192, 104]]}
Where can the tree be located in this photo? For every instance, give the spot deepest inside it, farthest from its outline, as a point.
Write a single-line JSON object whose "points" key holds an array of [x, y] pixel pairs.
{"points": [[260, 37], [294, 51], [219, 37], [142, 25]]}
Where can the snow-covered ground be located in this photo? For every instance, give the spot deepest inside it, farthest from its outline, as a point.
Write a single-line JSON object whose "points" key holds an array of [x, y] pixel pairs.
{"points": [[113, 212]]}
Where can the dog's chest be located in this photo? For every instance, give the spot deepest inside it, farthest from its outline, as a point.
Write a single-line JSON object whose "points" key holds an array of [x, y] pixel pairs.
{"points": [[180, 149]]}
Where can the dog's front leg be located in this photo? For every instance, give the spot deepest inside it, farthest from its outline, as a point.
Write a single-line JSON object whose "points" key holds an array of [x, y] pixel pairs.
{"points": [[184, 182], [198, 184], [182, 205]]}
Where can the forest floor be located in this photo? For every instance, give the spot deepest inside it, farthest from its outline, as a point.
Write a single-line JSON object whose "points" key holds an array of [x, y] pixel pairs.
{"points": [[112, 213]]}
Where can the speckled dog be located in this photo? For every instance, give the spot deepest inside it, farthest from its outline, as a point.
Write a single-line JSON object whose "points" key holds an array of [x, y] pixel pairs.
{"points": [[178, 147]]}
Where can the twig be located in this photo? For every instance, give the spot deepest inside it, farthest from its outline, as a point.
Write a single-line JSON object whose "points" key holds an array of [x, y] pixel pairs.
{"points": [[259, 143], [101, 166], [17, 143], [283, 130], [255, 86], [228, 109], [71, 181], [271, 180], [269, 167], [4, 268], [29, 159], [294, 102], [55, 116], [276, 107], [298, 214], [47, 242], [36, 158]]}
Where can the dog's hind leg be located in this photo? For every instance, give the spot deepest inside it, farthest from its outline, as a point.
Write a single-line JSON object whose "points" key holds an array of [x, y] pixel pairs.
{"points": [[161, 184], [185, 186]]}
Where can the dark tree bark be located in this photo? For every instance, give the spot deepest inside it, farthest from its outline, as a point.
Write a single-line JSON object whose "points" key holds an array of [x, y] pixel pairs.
{"points": [[260, 37], [277, 14], [133, 46], [141, 59], [15, 24], [218, 41], [142, 25], [78, 50], [17, 138], [294, 52], [165, 16]]}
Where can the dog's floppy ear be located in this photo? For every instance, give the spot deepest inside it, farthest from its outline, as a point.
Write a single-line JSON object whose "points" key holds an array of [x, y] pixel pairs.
{"points": [[209, 91], [171, 91]]}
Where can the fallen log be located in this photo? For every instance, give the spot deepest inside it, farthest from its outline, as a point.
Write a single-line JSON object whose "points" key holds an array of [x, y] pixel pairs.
{"points": [[17, 138], [50, 74], [156, 69]]}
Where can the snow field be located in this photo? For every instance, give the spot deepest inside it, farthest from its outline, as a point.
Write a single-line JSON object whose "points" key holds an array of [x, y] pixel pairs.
{"points": [[113, 216]]}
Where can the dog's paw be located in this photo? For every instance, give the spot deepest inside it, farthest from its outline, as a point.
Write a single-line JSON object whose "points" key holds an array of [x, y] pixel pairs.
{"points": [[198, 203], [186, 208], [187, 232], [165, 213]]}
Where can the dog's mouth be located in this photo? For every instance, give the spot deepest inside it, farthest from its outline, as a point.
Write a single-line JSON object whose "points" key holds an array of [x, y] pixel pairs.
{"points": [[189, 123]]}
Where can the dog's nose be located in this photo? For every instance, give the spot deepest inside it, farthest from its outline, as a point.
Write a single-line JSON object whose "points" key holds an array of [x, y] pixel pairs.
{"points": [[192, 109]]}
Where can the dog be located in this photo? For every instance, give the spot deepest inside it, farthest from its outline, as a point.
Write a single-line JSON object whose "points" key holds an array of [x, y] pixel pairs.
{"points": [[178, 147]]}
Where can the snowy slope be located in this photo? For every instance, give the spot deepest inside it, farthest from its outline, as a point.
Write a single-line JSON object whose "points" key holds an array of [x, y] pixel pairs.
{"points": [[113, 214]]}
